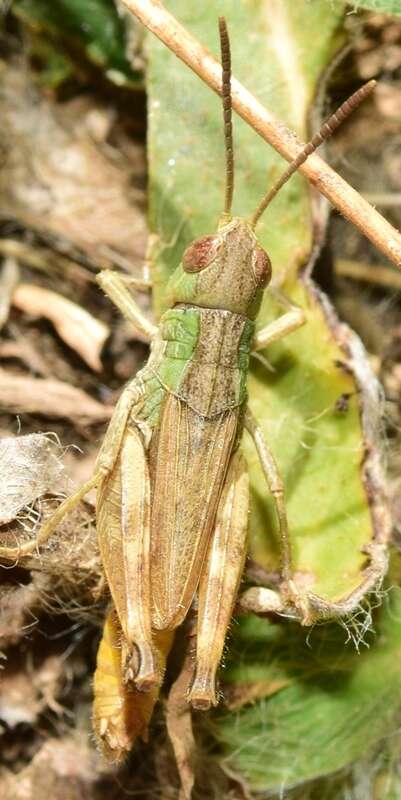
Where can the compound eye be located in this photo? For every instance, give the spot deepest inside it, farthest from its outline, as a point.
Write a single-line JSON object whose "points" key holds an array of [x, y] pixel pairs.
{"points": [[200, 253], [262, 268]]}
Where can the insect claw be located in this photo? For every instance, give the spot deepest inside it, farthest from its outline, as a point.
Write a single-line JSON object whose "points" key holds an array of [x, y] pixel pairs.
{"points": [[112, 741], [299, 601], [141, 670], [148, 682], [129, 676], [131, 668], [201, 703], [202, 694]]}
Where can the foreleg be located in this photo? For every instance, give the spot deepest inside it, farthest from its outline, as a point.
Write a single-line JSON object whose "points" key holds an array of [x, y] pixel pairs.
{"points": [[287, 323], [115, 286]]}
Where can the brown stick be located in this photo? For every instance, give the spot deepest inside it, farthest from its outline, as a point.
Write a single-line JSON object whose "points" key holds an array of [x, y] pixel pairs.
{"points": [[369, 273], [348, 201]]}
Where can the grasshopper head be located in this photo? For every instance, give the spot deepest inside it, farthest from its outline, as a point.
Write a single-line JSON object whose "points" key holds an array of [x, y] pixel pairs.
{"points": [[228, 270]]}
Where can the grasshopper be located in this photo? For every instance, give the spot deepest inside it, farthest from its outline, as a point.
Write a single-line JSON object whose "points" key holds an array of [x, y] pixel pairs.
{"points": [[172, 483]]}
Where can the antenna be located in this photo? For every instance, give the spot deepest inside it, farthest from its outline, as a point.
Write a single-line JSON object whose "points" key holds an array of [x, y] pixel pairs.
{"points": [[227, 113], [328, 127]]}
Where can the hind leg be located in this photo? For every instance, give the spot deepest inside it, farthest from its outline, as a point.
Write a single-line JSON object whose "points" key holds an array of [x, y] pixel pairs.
{"points": [[123, 527], [289, 590], [220, 580], [105, 462]]}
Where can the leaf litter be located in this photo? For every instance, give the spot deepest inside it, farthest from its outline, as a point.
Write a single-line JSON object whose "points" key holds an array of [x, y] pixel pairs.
{"points": [[77, 327], [72, 201]]}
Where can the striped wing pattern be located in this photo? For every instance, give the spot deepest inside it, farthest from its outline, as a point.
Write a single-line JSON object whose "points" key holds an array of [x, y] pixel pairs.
{"points": [[189, 462]]}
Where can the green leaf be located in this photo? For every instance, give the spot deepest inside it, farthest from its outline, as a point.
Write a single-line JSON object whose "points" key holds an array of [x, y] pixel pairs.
{"points": [[338, 704], [384, 6], [92, 24]]}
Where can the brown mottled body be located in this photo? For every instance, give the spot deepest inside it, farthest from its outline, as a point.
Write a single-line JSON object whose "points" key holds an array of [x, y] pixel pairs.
{"points": [[161, 503], [173, 507]]}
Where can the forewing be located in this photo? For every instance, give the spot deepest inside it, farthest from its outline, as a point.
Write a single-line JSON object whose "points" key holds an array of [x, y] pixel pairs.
{"points": [[189, 462]]}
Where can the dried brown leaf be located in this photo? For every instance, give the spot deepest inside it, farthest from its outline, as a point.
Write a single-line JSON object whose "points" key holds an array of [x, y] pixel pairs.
{"points": [[66, 573], [388, 99], [63, 769], [8, 281], [45, 260], [25, 694], [57, 179], [77, 327], [30, 467], [24, 350], [50, 398], [19, 605]]}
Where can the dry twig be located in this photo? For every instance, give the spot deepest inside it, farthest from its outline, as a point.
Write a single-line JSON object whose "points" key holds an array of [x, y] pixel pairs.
{"points": [[83, 332], [369, 273], [348, 201]]}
